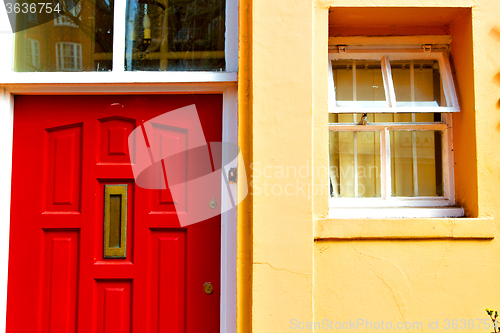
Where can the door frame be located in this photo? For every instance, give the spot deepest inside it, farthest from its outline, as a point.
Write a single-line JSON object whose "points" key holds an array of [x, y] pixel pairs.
{"points": [[227, 89]]}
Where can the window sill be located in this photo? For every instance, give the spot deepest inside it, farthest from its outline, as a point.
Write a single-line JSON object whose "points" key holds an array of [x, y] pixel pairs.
{"points": [[399, 211], [118, 77], [410, 228]]}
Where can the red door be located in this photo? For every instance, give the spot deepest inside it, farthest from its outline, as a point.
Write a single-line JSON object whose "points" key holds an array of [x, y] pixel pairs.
{"points": [[91, 251]]}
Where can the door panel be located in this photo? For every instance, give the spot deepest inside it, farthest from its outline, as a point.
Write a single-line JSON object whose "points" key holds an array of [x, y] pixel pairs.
{"points": [[60, 280], [66, 150], [63, 169]]}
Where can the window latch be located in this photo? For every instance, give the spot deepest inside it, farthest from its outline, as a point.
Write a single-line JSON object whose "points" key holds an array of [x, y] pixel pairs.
{"points": [[342, 48], [427, 48], [364, 119]]}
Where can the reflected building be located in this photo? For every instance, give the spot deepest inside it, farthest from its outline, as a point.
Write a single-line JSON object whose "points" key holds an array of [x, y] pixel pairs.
{"points": [[160, 35]]}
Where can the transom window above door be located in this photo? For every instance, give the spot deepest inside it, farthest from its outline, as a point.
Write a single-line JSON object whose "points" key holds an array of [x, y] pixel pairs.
{"points": [[132, 35], [390, 127]]}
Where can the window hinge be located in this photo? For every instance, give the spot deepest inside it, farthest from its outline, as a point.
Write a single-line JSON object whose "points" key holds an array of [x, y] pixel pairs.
{"points": [[427, 48], [342, 48]]}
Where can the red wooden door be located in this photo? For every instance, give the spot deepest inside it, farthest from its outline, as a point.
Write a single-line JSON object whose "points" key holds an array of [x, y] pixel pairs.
{"points": [[67, 149]]}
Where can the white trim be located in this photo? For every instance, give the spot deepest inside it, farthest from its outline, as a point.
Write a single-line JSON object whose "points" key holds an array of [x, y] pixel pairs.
{"points": [[355, 155], [407, 212], [119, 31], [228, 220], [390, 94], [391, 103], [385, 164], [117, 77], [397, 109], [448, 159], [231, 40], [332, 100], [6, 136], [389, 126], [391, 202]]}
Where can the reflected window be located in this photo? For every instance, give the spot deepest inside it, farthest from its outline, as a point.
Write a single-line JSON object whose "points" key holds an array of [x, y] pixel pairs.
{"points": [[175, 35], [33, 53], [72, 13], [79, 40], [69, 56], [160, 35]]}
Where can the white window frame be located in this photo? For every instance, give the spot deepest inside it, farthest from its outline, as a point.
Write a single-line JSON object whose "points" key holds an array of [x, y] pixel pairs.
{"points": [[60, 56], [118, 81], [63, 20], [386, 205]]}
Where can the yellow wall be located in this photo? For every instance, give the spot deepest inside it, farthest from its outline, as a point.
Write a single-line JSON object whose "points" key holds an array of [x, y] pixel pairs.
{"points": [[296, 263]]}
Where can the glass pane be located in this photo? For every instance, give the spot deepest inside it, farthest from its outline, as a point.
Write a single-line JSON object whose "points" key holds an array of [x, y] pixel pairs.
{"points": [[358, 83], [416, 163], [417, 83], [350, 118], [175, 35], [80, 40], [355, 164]]}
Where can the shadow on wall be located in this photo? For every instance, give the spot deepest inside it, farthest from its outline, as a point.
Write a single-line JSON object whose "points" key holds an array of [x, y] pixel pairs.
{"points": [[495, 32]]}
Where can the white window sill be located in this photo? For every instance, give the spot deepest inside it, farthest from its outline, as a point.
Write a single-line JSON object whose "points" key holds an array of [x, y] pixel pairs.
{"points": [[409, 228], [117, 77], [395, 212]]}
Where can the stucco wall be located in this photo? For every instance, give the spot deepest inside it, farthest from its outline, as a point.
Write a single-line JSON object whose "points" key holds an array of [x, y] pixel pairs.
{"points": [[294, 262]]}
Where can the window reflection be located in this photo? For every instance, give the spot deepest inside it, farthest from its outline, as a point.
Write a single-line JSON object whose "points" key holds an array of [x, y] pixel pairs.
{"points": [[175, 35], [416, 163], [358, 83], [79, 40], [355, 164], [418, 83]]}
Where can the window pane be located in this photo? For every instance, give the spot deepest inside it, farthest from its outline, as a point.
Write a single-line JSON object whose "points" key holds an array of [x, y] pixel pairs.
{"points": [[81, 40], [350, 118], [416, 163], [175, 35], [417, 83], [355, 164], [358, 83]]}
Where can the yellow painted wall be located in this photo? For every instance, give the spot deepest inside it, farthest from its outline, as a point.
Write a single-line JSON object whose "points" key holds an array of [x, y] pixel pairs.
{"points": [[296, 263]]}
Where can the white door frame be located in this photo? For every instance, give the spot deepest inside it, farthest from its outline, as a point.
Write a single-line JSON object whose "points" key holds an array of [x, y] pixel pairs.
{"points": [[229, 134]]}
